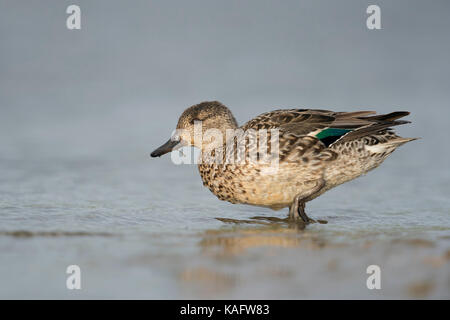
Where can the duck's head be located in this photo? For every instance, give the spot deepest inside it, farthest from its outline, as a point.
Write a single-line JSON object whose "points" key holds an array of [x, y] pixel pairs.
{"points": [[194, 122]]}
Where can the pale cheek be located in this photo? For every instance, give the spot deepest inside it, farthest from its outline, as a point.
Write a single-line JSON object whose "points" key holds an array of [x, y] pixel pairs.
{"points": [[196, 139]]}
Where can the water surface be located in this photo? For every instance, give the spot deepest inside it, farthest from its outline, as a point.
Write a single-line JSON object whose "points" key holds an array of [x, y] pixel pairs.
{"points": [[142, 228]]}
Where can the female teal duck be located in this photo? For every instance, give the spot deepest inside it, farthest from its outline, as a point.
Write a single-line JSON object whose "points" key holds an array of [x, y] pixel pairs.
{"points": [[316, 150]]}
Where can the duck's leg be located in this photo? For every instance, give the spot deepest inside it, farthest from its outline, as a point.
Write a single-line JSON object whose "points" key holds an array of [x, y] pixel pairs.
{"points": [[297, 208], [302, 213], [293, 211]]}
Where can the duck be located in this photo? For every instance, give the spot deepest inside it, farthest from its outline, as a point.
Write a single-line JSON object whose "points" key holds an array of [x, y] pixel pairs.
{"points": [[314, 150]]}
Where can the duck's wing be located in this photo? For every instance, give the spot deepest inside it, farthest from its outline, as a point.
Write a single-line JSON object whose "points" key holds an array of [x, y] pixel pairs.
{"points": [[377, 124], [306, 121], [327, 126]]}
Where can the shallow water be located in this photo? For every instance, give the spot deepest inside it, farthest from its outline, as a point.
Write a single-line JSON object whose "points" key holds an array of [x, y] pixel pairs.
{"points": [[145, 228]]}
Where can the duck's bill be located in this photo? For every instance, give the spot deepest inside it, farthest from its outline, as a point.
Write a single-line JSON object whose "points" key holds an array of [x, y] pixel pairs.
{"points": [[165, 148]]}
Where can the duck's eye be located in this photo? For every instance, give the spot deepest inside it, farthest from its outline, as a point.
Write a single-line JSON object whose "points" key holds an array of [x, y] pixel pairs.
{"points": [[195, 119]]}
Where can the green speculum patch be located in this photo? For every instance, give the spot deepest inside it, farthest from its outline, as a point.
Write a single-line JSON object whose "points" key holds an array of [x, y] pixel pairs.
{"points": [[330, 135]]}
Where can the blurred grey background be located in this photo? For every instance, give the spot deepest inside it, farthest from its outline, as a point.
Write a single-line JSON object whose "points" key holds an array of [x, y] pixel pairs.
{"points": [[80, 111], [117, 86]]}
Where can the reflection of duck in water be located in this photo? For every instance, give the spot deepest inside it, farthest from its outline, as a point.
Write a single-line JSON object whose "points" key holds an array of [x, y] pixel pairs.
{"points": [[318, 150]]}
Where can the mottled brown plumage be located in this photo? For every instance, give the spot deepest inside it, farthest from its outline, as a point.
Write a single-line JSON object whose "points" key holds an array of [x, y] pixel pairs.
{"points": [[318, 150]]}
